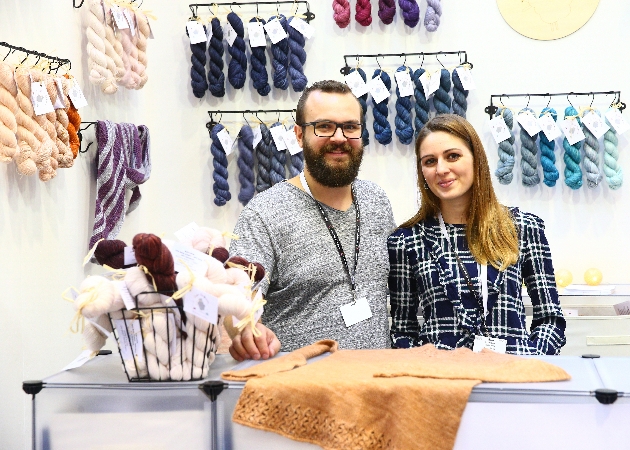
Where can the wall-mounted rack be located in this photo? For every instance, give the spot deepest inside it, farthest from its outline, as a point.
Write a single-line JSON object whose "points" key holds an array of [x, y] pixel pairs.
{"points": [[194, 7], [255, 112], [83, 128], [345, 70], [60, 62]]}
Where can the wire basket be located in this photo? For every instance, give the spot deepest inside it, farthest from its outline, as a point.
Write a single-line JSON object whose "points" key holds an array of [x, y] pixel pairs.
{"points": [[163, 343]]}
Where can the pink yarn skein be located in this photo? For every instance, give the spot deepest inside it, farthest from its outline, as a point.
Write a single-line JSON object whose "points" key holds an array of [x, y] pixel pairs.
{"points": [[364, 12], [341, 12]]}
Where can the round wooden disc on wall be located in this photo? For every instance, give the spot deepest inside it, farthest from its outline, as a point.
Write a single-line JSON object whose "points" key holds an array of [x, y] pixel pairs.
{"points": [[546, 20]]}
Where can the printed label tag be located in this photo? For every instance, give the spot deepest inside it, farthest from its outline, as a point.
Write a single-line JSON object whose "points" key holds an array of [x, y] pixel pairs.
{"points": [[202, 305], [256, 34], [128, 300], [572, 131], [229, 34], [131, 20], [130, 343], [378, 90], [40, 99], [434, 82], [187, 233], [356, 84], [291, 141], [196, 32], [275, 31], [465, 76], [403, 81], [76, 95], [257, 136], [528, 121], [617, 121], [595, 124], [60, 103], [500, 130], [425, 79], [356, 312], [277, 133], [226, 141], [185, 256], [119, 17], [549, 127], [130, 256], [494, 344], [303, 27], [83, 357]]}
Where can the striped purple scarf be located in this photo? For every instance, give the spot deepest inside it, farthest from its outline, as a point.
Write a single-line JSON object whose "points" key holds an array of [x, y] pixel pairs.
{"points": [[123, 163]]}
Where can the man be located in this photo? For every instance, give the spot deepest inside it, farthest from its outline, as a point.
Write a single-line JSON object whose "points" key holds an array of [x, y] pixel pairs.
{"points": [[306, 232]]}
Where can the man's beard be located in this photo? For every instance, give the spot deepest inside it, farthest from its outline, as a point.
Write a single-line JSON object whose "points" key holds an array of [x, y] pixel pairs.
{"points": [[337, 175]]}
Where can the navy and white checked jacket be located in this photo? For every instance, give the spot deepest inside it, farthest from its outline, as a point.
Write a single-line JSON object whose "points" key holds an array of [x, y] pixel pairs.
{"points": [[424, 274]]}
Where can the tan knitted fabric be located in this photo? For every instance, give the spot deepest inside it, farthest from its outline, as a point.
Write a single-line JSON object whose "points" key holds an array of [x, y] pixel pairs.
{"points": [[374, 399]]}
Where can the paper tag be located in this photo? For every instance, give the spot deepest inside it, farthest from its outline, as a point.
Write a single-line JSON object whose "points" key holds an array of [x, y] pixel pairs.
{"points": [[303, 27], [130, 344], [275, 31], [83, 357], [185, 256], [595, 124], [260, 311], [40, 99], [128, 300], [465, 76], [76, 95], [229, 34], [291, 142], [256, 34], [130, 256], [434, 82], [226, 141], [356, 312], [257, 136], [99, 328], [425, 79], [130, 16], [187, 233], [528, 121], [494, 344], [622, 309], [60, 103], [378, 90], [618, 122], [277, 133], [150, 30], [356, 84], [202, 305], [403, 81], [549, 127], [119, 17], [196, 32], [500, 130], [572, 131]]}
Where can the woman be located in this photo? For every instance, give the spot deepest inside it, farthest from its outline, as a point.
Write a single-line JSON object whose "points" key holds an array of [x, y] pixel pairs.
{"points": [[462, 236]]}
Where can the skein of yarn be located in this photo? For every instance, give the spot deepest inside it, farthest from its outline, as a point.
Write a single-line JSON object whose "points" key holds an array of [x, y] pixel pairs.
{"points": [[278, 161], [151, 253], [410, 11], [529, 156], [441, 99], [295, 163], [421, 106], [365, 135], [403, 120], [612, 169], [198, 68], [258, 71], [74, 124], [220, 187], [432, 15], [460, 104], [110, 252], [264, 154], [341, 12], [386, 11], [280, 61], [8, 110], [246, 164], [237, 68], [297, 58], [363, 13], [547, 155], [591, 157], [382, 128], [101, 66], [572, 171], [216, 78], [506, 149], [141, 40]]}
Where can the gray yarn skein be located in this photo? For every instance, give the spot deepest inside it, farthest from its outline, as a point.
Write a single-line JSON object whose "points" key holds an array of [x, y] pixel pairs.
{"points": [[591, 157], [506, 150], [529, 156], [263, 157]]}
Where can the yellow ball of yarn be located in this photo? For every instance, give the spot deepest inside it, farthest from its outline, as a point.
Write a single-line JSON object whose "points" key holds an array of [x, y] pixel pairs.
{"points": [[593, 276], [563, 278]]}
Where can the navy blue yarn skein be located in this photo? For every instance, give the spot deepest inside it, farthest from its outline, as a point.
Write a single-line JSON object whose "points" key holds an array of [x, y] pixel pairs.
{"points": [[216, 78], [403, 120], [295, 163], [278, 161], [460, 104], [297, 59], [246, 164], [547, 155], [237, 68], [280, 61], [220, 187], [365, 135], [382, 128], [258, 71], [422, 104], [198, 69], [441, 99], [263, 156]]}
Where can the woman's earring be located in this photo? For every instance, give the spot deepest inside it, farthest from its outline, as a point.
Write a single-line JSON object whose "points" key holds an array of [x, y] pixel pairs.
{"points": [[426, 186]]}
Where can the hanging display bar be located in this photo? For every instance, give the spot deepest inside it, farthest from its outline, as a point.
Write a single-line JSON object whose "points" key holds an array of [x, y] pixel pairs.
{"points": [[345, 70], [194, 7], [74, 3], [60, 62], [212, 122]]}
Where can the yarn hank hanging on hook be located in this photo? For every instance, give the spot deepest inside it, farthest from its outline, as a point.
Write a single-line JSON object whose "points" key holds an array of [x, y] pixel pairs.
{"points": [[258, 71], [237, 68], [216, 78], [382, 128], [297, 58], [220, 187], [505, 165], [529, 156], [421, 105], [591, 157], [245, 164], [432, 15], [403, 119], [263, 157], [572, 170], [410, 11], [386, 11], [547, 154], [363, 13], [441, 98], [612, 168], [280, 53], [341, 12]]}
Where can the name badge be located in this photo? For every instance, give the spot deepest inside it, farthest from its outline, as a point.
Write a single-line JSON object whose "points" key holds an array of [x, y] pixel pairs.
{"points": [[495, 344], [356, 312]]}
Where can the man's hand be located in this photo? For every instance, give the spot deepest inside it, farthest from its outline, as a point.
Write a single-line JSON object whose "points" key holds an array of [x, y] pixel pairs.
{"points": [[247, 346]]}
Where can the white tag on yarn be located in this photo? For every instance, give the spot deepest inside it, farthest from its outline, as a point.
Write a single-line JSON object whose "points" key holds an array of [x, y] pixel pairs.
{"points": [[187, 233], [465, 76], [102, 330], [76, 95], [403, 81], [187, 258], [595, 124], [549, 127], [257, 136], [256, 34], [500, 130], [618, 122], [150, 30], [528, 121], [201, 304], [60, 103], [572, 131], [425, 80], [127, 299], [356, 84], [303, 27], [129, 339], [119, 17], [275, 31], [277, 133], [83, 357], [434, 82], [130, 17], [196, 33], [130, 256], [291, 142], [229, 34], [495, 344], [226, 141], [378, 90], [356, 312], [40, 99]]}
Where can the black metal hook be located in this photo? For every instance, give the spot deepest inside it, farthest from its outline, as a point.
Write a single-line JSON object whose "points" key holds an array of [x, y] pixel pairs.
{"points": [[529, 97], [438, 60], [74, 5], [10, 51], [80, 135], [549, 102], [570, 100], [592, 99]]}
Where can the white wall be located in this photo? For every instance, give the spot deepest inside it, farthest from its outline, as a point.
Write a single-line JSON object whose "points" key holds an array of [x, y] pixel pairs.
{"points": [[44, 228]]}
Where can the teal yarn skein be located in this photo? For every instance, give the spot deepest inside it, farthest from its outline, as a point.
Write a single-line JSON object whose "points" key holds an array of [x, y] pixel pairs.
{"points": [[591, 157], [612, 169], [441, 99], [572, 171], [506, 150], [529, 156], [547, 155]]}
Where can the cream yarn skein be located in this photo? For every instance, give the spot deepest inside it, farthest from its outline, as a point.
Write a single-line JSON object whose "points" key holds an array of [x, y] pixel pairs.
{"points": [[137, 283], [92, 336], [101, 64], [96, 297], [143, 31], [206, 238], [59, 119], [8, 110]]}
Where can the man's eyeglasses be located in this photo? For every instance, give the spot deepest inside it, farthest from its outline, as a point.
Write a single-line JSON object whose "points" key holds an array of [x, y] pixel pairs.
{"points": [[326, 128]]}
